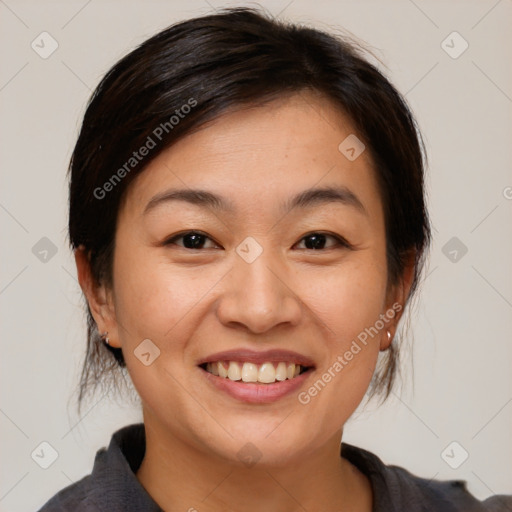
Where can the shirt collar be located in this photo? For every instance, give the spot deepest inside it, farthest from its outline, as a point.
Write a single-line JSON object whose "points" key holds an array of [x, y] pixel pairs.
{"points": [[114, 473]]}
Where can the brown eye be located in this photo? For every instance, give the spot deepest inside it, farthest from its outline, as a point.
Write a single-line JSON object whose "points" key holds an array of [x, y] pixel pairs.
{"points": [[317, 241], [191, 240]]}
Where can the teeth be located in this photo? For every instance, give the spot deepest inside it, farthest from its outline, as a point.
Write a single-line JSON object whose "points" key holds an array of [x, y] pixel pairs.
{"points": [[234, 372], [266, 373], [213, 368], [221, 370], [281, 371], [249, 372]]}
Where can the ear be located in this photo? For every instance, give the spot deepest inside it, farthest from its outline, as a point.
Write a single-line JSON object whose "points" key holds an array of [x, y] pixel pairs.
{"points": [[99, 298], [396, 298]]}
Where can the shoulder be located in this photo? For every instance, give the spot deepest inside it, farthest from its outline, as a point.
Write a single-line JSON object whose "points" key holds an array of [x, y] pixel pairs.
{"points": [[396, 489], [77, 496], [91, 493], [443, 495], [112, 485]]}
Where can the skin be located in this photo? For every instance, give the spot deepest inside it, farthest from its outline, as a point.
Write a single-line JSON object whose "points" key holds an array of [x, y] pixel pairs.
{"points": [[194, 302]]}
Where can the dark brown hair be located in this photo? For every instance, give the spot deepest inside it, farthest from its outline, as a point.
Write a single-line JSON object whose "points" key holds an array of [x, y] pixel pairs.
{"points": [[193, 72]]}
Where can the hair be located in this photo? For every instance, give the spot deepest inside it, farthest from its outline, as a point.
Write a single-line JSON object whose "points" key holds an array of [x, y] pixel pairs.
{"points": [[193, 72]]}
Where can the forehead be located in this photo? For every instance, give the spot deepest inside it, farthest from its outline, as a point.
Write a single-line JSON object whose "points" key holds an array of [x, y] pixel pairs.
{"points": [[263, 154]]}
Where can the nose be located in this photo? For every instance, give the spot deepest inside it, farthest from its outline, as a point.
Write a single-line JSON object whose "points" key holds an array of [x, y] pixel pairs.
{"points": [[258, 296]]}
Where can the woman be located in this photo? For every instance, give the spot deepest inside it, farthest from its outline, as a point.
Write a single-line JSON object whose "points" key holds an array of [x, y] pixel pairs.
{"points": [[248, 219]]}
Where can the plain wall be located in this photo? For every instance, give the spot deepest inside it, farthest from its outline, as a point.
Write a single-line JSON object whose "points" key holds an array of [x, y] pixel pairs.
{"points": [[457, 369]]}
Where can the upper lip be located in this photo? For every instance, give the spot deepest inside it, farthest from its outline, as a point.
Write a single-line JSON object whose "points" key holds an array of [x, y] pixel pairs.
{"points": [[252, 356]]}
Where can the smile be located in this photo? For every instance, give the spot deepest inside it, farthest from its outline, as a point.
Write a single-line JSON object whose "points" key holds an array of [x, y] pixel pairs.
{"points": [[266, 373]]}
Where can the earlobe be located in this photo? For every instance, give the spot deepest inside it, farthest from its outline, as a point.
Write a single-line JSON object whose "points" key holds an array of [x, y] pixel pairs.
{"points": [[386, 340], [97, 297]]}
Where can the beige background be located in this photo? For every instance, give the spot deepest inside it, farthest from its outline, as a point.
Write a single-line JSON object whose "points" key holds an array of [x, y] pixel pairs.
{"points": [[461, 387]]}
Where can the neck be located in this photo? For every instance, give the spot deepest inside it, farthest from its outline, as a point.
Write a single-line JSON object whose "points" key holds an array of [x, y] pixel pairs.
{"points": [[179, 476]]}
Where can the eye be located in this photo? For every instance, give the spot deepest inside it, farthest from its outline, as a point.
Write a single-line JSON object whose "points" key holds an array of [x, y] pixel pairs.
{"points": [[316, 241], [191, 240], [195, 240]]}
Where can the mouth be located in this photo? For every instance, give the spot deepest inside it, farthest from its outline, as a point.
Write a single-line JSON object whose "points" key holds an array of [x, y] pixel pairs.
{"points": [[257, 377], [248, 372]]}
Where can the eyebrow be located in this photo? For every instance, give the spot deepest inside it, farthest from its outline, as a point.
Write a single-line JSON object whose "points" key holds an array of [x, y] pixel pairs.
{"points": [[305, 199]]}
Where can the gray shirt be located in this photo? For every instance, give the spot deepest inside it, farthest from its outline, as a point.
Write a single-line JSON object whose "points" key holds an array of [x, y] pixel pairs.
{"points": [[113, 487]]}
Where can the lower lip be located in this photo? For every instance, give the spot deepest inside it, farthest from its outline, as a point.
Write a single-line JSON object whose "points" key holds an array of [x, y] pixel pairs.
{"points": [[256, 393]]}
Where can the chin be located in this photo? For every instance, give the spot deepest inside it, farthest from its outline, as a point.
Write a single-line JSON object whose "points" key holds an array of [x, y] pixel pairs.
{"points": [[263, 444]]}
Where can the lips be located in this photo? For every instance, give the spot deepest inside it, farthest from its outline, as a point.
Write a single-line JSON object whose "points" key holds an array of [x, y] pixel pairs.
{"points": [[255, 357], [270, 387]]}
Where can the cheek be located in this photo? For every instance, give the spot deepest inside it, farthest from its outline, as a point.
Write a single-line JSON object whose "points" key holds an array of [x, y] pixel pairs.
{"points": [[151, 297], [153, 302], [350, 298], [349, 304]]}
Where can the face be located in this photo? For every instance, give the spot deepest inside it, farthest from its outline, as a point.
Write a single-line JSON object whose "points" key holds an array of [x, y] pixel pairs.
{"points": [[257, 272]]}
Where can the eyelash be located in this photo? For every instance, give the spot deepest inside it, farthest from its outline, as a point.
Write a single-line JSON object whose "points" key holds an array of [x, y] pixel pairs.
{"points": [[340, 241]]}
